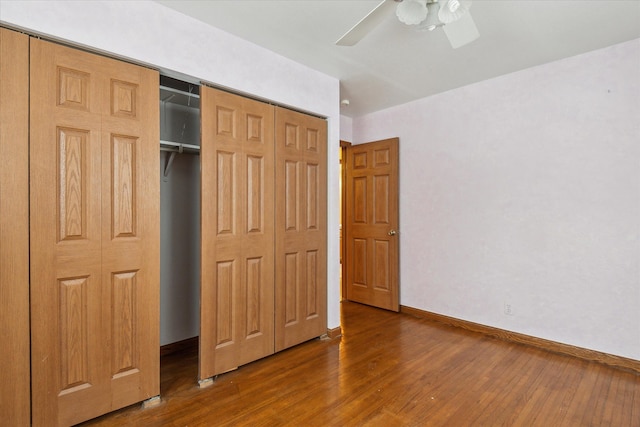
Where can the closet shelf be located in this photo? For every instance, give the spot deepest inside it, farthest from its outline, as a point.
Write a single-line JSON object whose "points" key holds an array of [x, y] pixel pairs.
{"points": [[180, 119], [180, 97]]}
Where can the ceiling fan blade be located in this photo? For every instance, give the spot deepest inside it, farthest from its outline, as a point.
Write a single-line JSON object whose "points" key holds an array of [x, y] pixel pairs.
{"points": [[462, 31], [366, 24]]}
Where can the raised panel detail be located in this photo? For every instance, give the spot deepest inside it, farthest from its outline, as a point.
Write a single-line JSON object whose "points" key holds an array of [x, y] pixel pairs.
{"points": [[254, 128], [225, 283], [312, 284], [312, 140], [313, 196], [226, 122], [360, 200], [291, 136], [123, 178], [73, 333], [371, 254], [360, 261], [300, 235], [291, 288], [381, 257], [381, 157], [73, 89], [381, 199], [123, 315], [72, 183], [124, 99], [291, 195], [255, 193], [226, 198], [254, 296], [238, 221], [360, 160], [93, 135]]}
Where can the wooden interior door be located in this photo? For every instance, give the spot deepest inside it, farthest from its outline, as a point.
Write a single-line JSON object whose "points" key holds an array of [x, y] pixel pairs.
{"points": [[237, 288], [372, 252], [94, 234], [14, 228], [301, 227]]}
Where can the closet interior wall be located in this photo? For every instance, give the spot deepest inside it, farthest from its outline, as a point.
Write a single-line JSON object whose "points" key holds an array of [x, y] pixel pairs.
{"points": [[179, 211], [179, 248]]}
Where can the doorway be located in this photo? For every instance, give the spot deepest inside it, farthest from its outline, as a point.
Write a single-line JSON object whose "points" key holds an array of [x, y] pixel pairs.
{"points": [[341, 206], [370, 223]]}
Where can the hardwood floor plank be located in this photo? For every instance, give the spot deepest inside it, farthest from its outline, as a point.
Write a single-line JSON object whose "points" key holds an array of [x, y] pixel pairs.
{"points": [[487, 394], [391, 369]]}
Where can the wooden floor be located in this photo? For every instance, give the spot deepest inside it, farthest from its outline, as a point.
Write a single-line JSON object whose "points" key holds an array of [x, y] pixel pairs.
{"points": [[392, 369]]}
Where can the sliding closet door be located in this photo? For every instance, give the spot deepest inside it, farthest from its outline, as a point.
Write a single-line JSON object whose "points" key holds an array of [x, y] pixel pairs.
{"points": [[236, 306], [94, 234], [301, 228], [14, 228]]}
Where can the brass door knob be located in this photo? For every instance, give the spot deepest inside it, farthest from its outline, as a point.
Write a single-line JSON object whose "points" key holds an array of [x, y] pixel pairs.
{"points": [[392, 233]]}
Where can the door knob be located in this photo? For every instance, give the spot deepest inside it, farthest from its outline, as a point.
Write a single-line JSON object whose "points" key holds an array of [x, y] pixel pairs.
{"points": [[392, 233]]}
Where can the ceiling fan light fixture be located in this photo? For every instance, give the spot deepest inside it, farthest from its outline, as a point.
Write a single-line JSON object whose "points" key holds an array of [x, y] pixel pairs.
{"points": [[412, 12], [453, 10], [453, 5], [432, 21]]}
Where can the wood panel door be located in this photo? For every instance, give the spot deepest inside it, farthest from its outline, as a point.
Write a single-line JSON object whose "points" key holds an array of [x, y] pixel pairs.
{"points": [[372, 246], [301, 227], [237, 288], [14, 228], [94, 234]]}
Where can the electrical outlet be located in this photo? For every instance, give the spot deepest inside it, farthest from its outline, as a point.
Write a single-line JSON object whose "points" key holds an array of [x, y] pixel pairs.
{"points": [[507, 309]]}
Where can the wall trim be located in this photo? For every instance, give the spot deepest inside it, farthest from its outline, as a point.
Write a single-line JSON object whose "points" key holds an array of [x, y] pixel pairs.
{"points": [[541, 343], [334, 332], [178, 346]]}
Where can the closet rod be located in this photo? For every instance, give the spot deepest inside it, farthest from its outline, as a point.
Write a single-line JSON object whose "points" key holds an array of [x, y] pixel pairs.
{"points": [[176, 148]]}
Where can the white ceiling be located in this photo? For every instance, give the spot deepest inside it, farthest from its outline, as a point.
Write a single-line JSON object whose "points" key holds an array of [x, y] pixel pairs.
{"points": [[394, 64]]}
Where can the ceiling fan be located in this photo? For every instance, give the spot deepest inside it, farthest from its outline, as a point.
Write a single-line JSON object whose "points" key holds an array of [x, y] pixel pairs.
{"points": [[452, 15]]}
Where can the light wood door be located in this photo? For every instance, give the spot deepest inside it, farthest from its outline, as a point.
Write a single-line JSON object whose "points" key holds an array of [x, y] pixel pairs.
{"points": [[14, 228], [372, 240], [94, 234], [237, 288], [301, 227]]}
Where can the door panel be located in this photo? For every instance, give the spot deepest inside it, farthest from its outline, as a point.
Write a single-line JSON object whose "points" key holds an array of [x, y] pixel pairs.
{"points": [[371, 206], [94, 234], [237, 296], [301, 247], [14, 228], [130, 229]]}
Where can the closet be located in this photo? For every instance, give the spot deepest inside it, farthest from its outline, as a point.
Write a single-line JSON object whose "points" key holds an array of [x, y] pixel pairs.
{"points": [[243, 229]]}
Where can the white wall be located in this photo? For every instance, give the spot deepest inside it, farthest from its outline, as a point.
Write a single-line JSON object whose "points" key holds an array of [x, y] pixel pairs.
{"points": [[346, 128], [525, 189], [149, 33]]}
